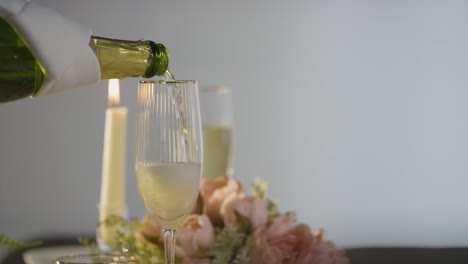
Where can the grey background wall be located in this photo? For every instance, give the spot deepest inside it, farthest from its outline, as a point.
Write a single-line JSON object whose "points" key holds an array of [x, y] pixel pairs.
{"points": [[353, 111]]}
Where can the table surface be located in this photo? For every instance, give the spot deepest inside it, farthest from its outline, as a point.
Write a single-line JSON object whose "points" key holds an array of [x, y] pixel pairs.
{"points": [[368, 255]]}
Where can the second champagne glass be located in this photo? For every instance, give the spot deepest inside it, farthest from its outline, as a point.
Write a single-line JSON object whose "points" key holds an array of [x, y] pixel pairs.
{"points": [[168, 153], [217, 123]]}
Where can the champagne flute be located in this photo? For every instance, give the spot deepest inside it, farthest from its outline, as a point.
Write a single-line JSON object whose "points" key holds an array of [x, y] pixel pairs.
{"points": [[217, 122], [169, 153]]}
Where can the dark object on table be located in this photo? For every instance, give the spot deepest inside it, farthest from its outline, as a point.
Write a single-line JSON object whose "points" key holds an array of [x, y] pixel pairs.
{"points": [[375, 255], [14, 256], [406, 255]]}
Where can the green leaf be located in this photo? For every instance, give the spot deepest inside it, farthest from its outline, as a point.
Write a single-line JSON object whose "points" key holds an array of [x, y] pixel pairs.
{"points": [[114, 220], [242, 256], [243, 223], [147, 252], [228, 245], [6, 242], [259, 188], [87, 243], [272, 207]]}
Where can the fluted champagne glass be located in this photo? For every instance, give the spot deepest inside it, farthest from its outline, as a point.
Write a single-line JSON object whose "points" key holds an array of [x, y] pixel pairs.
{"points": [[217, 123], [169, 153]]}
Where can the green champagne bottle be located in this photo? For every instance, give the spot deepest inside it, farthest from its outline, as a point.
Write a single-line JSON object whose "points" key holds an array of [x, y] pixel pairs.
{"points": [[21, 75]]}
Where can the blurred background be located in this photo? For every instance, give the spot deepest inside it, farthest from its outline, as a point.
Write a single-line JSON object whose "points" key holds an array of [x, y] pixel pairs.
{"points": [[353, 111]]}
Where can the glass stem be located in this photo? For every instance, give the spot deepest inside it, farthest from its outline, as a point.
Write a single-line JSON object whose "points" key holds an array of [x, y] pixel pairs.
{"points": [[169, 246]]}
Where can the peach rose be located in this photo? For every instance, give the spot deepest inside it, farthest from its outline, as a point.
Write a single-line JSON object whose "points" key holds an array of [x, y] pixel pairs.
{"points": [[282, 240], [195, 235], [215, 192], [254, 209], [149, 230]]}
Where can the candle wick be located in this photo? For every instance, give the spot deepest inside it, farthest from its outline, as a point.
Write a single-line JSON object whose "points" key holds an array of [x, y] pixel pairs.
{"points": [[113, 102]]}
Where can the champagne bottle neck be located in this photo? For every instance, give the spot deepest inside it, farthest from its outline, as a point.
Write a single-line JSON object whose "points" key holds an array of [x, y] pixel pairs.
{"points": [[124, 58]]}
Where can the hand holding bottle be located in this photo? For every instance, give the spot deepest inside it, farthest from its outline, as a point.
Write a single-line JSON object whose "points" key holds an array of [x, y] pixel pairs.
{"points": [[40, 55]]}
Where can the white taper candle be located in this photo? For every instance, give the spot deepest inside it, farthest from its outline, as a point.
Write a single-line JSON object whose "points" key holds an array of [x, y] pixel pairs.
{"points": [[112, 199]]}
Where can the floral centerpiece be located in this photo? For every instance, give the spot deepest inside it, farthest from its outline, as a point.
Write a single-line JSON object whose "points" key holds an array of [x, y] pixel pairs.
{"points": [[228, 226]]}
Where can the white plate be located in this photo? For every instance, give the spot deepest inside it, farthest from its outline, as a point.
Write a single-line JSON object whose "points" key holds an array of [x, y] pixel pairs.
{"points": [[47, 255]]}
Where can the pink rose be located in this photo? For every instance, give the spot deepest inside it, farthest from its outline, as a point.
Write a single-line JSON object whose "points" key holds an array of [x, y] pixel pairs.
{"points": [[215, 192], [254, 209], [195, 235], [282, 240], [325, 251]]}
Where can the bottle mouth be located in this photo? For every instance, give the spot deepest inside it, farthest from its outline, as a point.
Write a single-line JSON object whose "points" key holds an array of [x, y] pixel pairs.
{"points": [[161, 60]]}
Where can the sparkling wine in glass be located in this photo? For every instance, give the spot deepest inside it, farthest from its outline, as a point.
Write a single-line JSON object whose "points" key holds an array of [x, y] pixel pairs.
{"points": [[217, 122], [168, 153]]}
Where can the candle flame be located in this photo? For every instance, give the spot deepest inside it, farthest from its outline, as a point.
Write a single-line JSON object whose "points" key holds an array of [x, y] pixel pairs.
{"points": [[114, 92]]}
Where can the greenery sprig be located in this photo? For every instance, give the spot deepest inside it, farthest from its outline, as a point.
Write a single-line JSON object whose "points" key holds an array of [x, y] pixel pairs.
{"points": [[231, 246], [126, 241], [6, 242], [259, 190]]}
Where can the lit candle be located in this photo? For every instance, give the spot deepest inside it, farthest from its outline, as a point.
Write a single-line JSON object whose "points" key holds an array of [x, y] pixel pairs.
{"points": [[112, 200]]}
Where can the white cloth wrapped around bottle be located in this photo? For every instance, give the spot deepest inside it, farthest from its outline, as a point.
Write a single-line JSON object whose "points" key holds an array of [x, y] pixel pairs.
{"points": [[60, 45]]}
